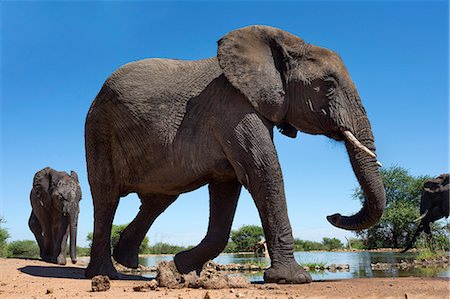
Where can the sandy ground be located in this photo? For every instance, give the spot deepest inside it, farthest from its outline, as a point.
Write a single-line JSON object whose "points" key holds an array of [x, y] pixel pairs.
{"points": [[21, 278]]}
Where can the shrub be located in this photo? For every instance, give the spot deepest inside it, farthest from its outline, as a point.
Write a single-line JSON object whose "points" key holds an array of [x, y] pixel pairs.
{"points": [[23, 248]]}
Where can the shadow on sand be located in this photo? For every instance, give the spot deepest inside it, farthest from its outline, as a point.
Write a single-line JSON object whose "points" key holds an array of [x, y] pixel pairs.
{"points": [[67, 272]]}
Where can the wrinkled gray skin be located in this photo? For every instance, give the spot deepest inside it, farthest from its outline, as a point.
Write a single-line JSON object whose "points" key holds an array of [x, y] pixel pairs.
{"points": [[55, 206], [434, 205], [162, 127]]}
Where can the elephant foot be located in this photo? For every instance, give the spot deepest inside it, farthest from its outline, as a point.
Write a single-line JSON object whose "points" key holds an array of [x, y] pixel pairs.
{"points": [[129, 257], [288, 273], [61, 259], [185, 263], [101, 268]]}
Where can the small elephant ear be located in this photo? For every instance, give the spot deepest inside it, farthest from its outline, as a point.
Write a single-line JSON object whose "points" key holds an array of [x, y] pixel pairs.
{"points": [[254, 59], [74, 175], [42, 186]]}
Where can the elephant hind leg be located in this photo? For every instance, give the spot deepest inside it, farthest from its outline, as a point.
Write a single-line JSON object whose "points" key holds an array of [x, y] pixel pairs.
{"points": [[223, 201], [127, 249]]}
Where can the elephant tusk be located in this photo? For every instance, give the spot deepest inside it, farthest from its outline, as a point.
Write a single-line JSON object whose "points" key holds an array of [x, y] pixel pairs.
{"points": [[358, 144], [421, 216]]}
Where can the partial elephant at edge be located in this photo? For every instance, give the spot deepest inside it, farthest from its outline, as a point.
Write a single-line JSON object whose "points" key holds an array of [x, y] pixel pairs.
{"points": [[55, 198]]}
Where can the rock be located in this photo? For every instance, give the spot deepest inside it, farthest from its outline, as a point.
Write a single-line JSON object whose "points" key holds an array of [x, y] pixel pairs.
{"points": [[207, 295], [168, 276], [209, 278], [49, 291], [100, 283]]}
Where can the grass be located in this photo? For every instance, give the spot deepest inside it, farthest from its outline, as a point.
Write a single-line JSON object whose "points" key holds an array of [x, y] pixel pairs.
{"points": [[427, 254], [314, 265]]}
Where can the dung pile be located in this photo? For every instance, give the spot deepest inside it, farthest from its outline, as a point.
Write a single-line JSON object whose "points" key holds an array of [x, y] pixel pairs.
{"points": [[209, 278]]}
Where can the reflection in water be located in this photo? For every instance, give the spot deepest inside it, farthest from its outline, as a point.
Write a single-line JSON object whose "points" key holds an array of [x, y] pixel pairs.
{"points": [[359, 264]]}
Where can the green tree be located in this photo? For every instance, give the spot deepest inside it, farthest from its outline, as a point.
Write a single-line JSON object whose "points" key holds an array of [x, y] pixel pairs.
{"points": [[332, 243], [23, 248], [246, 237], [116, 231], [3, 236], [403, 192]]}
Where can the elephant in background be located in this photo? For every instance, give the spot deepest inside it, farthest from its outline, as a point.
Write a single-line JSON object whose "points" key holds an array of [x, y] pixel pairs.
{"points": [[54, 216], [162, 127], [434, 205]]}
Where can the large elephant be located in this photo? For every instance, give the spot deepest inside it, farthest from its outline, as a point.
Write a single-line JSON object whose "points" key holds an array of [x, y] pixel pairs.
{"points": [[161, 127], [434, 205], [54, 216]]}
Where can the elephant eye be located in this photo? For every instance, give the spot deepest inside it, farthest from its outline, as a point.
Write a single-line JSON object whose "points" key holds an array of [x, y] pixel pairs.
{"points": [[317, 89]]}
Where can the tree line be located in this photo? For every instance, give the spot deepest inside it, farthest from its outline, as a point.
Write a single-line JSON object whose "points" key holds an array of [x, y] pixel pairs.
{"points": [[403, 192]]}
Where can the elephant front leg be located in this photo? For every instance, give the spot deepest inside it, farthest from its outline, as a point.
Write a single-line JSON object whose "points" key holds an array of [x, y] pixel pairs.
{"points": [[36, 228], [61, 259], [127, 249], [105, 205], [223, 201], [255, 160]]}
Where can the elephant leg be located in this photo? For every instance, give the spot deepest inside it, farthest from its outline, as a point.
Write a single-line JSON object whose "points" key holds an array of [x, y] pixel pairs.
{"points": [[223, 201], [36, 228], [127, 249], [254, 158], [61, 259], [105, 205]]}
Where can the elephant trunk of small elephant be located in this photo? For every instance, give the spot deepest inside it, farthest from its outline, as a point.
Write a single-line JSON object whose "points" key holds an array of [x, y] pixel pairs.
{"points": [[73, 222], [366, 168]]}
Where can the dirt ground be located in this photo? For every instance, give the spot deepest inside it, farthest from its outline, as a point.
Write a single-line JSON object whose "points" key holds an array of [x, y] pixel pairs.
{"points": [[21, 278]]}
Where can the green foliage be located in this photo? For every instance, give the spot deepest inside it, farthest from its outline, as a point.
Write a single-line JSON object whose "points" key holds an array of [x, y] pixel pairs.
{"points": [[332, 243], [164, 248], [246, 237], [312, 266], [440, 239], [396, 226], [3, 236], [231, 247], [23, 248], [305, 245], [355, 243], [116, 231], [83, 251]]}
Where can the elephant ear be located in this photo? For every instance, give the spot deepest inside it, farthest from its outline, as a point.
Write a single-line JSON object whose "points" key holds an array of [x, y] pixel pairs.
{"points": [[74, 176], [255, 59], [42, 185]]}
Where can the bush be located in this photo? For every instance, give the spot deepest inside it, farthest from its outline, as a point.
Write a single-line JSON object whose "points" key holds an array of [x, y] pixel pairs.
{"points": [[23, 248], [83, 251], [332, 243], [246, 237], [355, 243], [116, 231], [305, 245], [3, 236], [164, 248]]}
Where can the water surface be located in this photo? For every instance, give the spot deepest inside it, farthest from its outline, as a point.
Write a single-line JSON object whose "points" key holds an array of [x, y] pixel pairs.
{"points": [[359, 264]]}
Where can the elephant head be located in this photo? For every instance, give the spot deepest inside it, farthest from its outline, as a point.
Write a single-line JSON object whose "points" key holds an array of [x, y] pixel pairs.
{"points": [[302, 87], [58, 192]]}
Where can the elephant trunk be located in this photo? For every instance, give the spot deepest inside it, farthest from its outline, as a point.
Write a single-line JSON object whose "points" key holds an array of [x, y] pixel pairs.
{"points": [[366, 168], [73, 222]]}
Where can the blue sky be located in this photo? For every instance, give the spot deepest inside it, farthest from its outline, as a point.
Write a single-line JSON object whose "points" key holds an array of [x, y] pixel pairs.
{"points": [[56, 55]]}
